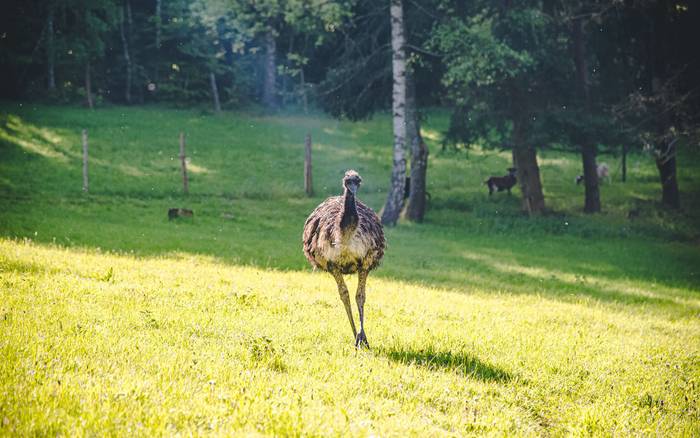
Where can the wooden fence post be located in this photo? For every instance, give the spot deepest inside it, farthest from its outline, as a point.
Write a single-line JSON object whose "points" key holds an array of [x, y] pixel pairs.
{"points": [[85, 160], [183, 160], [308, 184]]}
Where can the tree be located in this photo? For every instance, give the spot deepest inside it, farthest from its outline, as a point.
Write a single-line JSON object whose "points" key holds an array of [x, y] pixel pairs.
{"points": [[588, 148], [664, 96], [50, 48], [394, 202], [125, 24], [359, 79], [499, 63], [596, 69], [662, 105], [415, 207], [270, 84], [262, 20], [258, 28], [92, 21]]}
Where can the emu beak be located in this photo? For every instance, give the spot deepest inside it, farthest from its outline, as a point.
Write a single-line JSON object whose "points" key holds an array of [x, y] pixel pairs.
{"points": [[352, 187]]}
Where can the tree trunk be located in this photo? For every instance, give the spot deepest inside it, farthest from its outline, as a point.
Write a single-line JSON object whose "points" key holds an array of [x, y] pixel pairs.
{"points": [[415, 209], [528, 172], [308, 174], [183, 163], [590, 177], [214, 92], [304, 99], [50, 50], [125, 44], [665, 144], [224, 41], [284, 91], [158, 23], [666, 163], [588, 147], [88, 85], [394, 203], [85, 161], [269, 86], [529, 179]]}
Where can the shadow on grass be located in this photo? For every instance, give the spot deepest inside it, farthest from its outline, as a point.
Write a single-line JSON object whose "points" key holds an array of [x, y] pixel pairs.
{"points": [[632, 272], [461, 363]]}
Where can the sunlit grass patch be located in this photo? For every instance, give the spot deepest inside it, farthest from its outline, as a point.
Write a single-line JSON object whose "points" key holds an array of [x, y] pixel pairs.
{"points": [[31, 138], [97, 342]]}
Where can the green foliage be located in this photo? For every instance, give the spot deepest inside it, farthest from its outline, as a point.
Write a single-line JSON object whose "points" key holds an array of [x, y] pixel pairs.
{"points": [[474, 56], [502, 73], [117, 321]]}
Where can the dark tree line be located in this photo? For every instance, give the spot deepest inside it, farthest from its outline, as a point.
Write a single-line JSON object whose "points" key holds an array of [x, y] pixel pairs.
{"points": [[592, 77], [587, 76]]}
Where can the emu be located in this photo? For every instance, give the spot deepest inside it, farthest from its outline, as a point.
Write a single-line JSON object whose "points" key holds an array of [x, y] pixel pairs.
{"points": [[501, 183], [344, 236]]}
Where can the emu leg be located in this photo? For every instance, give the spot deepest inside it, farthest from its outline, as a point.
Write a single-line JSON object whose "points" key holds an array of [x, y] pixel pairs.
{"points": [[361, 338], [345, 298]]}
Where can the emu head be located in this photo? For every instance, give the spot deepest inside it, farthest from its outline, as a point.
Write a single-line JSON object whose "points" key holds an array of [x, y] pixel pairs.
{"points": [[352, 181], [512, 170]]}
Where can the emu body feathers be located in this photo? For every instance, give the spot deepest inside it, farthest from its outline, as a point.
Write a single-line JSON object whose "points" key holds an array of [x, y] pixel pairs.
{"points": [[329, 247]]}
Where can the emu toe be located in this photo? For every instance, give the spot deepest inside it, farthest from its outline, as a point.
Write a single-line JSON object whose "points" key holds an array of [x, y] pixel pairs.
{"points": [[361, 340]]}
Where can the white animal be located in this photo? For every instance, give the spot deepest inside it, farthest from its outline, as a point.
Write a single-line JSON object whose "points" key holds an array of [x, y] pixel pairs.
{"points": [[603, 171]]}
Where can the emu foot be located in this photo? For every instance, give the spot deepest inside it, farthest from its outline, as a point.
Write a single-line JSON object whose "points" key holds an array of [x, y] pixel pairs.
{"points": [[361, 340]]}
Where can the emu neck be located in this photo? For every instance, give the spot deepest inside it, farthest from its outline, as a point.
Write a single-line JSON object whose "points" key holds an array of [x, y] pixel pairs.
{"points": [[348, 221]]}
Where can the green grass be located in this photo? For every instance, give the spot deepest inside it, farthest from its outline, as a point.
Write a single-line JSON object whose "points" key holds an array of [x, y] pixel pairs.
{"points": [[116, 321]]}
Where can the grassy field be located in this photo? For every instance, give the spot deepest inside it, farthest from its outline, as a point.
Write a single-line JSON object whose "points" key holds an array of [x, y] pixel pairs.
{"points": [[482, 321]]}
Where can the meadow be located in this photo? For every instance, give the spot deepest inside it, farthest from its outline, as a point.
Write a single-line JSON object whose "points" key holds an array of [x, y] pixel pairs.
{"points": [[116, 321]]}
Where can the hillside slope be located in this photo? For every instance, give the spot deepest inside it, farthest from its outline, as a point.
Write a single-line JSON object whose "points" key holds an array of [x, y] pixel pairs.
{"points": [[117, 321]]}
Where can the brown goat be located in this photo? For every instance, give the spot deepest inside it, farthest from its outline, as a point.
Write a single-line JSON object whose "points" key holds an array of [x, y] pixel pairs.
{"points": [[501, 183]]}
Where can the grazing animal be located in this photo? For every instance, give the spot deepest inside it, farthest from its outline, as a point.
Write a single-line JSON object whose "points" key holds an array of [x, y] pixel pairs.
{"points": [[174, 213], [344, 236], [601, 169], [501, 183]]}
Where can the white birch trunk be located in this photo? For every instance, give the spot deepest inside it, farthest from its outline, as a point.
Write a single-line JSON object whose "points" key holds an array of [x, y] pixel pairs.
{"points": [[394, 203]]}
